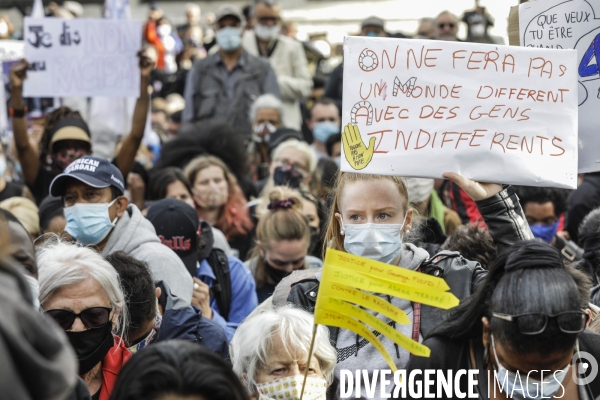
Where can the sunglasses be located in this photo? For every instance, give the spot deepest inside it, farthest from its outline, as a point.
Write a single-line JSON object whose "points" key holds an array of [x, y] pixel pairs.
{"points": [[449, 25], [535, 323], [94, 317]]}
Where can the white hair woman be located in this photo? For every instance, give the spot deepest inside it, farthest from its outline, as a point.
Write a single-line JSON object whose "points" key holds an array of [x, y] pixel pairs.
{"points": [[266, 115], [82, 293], [269, 352], [294, 165]]}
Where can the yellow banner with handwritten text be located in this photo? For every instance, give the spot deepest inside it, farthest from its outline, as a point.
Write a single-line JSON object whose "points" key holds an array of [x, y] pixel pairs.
{"points": [[349, 291]]}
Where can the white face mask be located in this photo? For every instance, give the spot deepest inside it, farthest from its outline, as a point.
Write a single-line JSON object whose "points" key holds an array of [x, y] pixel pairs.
{"points": [[266, 33], [262, 132], [379, 242], [523, 387], [290, 388]]}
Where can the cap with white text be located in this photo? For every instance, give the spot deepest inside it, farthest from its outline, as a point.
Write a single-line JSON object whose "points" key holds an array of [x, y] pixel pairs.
{"points": [[93, 171]]}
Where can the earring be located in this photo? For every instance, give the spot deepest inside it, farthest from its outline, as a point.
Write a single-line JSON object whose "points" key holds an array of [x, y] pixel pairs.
{"points": [[342, 232]]}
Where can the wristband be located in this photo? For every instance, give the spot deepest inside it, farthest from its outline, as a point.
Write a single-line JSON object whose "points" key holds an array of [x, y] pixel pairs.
{"points": [[17, 113]]}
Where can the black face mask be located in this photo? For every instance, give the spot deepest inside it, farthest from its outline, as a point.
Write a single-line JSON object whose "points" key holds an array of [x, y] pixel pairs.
{"points": [[275, 274], [91, 346], [286, 175]]}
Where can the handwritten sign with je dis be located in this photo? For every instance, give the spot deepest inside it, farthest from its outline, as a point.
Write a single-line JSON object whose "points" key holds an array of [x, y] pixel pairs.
{"points": [[347, 298], [82, 57], [571, 24], [491, 113]]}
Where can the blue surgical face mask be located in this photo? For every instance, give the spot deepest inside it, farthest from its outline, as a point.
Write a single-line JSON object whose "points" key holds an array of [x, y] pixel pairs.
{"points": [[522, 387], [379, 242], [544, 232], [229, 38], [322, 130], [89, 223]]}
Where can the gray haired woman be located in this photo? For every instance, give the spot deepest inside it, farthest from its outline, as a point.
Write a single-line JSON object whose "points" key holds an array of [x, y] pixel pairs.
{"points": [[270, 350], [266, 115], [82, 293]]}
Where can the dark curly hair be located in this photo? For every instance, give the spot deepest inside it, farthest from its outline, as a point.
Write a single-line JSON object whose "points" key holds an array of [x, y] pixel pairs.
{"points": [[558, 197], [473, 243]]}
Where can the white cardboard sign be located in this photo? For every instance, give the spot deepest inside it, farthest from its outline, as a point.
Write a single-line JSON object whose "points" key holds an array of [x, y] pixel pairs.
{"points": [[571, 24], [82, 57], [491, 113]]}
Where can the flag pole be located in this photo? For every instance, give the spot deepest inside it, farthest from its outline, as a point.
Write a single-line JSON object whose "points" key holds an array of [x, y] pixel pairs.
{"points": [[310, 351]]}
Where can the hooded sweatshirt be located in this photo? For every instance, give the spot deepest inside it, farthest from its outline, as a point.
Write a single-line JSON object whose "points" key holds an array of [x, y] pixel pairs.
{"points": [[135, 235], [366, 357]]}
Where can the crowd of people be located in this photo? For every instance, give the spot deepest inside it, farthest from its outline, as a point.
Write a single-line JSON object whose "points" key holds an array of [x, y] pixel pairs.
{"points": [[189, 267]]}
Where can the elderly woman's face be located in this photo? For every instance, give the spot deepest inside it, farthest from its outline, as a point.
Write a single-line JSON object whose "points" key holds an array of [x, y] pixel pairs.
{"points": [[78, 297], [280, 365], [266, 119]]}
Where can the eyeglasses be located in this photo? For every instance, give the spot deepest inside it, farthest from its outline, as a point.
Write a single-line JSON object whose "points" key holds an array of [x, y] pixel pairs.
{"points": [[536, 323], [450, 25], [94, 317]]}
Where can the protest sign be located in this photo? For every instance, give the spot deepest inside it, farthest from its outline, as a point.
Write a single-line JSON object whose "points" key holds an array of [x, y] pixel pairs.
{"points": [[572, 24], [82, 57], [491, 113], [10, 52], [344, 283]]}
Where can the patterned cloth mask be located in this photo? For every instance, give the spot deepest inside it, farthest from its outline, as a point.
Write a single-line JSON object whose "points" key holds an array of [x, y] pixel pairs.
{"points": [[65, 157], [290, 388], [210, 197], [150, 337]]}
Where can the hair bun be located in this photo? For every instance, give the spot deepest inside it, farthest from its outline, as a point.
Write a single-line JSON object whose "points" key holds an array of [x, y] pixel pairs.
{"points": [[534, 254], [281, 204]]}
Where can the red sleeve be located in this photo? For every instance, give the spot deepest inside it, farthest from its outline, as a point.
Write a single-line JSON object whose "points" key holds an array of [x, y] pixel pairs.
{"points": [[152, 38]]}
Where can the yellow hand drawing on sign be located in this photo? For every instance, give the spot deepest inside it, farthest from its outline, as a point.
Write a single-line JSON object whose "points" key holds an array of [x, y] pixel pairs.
{"points": [[357, 154]]}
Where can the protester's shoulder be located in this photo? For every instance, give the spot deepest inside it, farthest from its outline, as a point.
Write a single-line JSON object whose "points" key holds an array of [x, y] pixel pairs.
{"points": [[590, 341], [255, 60], [312, 262], [236, 266], [204, 62], [590, 187], [290, 43], [462, 275]]}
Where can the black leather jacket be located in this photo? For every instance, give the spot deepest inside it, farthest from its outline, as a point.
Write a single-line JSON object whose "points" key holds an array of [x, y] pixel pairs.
{"points": [[506, 222]]}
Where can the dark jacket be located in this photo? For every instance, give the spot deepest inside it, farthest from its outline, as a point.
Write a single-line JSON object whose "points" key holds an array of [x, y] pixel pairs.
{"points": [[335, 85], [38, 363], [206, 95], [505, 219], [581, 202], [448, 354], [183, 321]]}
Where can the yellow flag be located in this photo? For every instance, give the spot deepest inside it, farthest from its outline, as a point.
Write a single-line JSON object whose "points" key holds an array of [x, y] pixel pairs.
{"points": [[347, 292]]}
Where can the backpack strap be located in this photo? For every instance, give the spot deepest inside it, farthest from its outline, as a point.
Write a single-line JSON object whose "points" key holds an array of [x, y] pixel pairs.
{"points": [[221, 289]]}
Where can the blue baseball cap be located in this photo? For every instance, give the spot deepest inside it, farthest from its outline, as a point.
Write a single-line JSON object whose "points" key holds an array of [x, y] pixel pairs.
{"points": [[93, 171]]}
